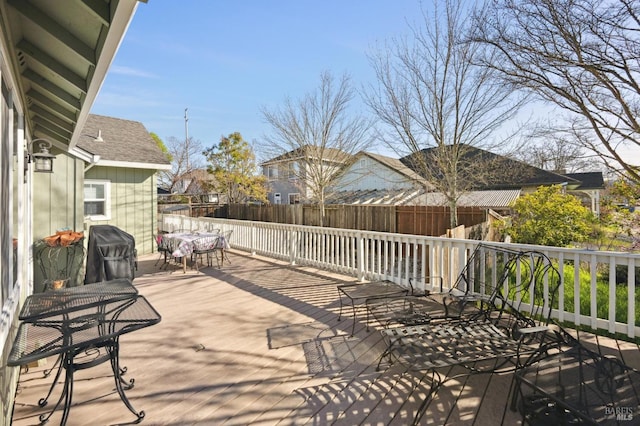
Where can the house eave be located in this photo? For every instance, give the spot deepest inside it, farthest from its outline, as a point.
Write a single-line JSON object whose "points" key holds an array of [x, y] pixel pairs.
{"points": [[83, 155], [120, 23], [133, 165]]}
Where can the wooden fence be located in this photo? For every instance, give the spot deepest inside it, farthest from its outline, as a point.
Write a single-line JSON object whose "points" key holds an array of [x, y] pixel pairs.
{"points": [[434, 220], [415, 220]]}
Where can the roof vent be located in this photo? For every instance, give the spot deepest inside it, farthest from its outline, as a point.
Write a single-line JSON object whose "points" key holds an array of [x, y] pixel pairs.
{"points": [[99, 137]]}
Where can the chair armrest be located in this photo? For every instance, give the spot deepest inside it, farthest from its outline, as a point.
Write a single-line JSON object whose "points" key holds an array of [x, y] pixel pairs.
{"points": [[532, 330]]}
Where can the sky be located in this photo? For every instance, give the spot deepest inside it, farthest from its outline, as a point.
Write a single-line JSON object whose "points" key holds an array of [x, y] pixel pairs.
{"points": [[227, 60]]}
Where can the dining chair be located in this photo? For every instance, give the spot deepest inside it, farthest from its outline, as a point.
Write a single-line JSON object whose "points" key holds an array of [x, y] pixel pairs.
{"points": [[223, 245], [204, 246], [162, 248]]}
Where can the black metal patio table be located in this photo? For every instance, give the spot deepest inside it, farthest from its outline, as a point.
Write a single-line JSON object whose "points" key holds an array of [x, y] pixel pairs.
{"points": [[55, 302], [363, 292], [68, 299], [72, 322]]}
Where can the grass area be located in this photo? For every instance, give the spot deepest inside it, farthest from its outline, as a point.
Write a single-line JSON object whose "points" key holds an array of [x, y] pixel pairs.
{"points": [[602, 296]]}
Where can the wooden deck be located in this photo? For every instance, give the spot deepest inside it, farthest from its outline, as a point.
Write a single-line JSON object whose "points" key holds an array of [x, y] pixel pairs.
{"points": [[258, 343]]}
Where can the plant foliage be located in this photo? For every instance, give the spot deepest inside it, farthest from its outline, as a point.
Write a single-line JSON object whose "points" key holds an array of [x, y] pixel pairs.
{"points": [[549, 217], [232, 164]]}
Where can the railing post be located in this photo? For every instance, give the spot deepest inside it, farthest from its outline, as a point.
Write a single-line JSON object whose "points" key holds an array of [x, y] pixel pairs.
{"points": [[631, 291], [292, 237], [360, 256], [252, 231]]}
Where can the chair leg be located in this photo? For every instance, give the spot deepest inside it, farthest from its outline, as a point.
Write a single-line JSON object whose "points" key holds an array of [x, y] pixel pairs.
{"points": [[163, 254], [160, 253], [224, 256], [215, 253]]}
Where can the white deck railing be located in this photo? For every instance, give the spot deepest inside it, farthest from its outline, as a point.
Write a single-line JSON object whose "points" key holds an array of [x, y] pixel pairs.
{"points": [[370, 255]]}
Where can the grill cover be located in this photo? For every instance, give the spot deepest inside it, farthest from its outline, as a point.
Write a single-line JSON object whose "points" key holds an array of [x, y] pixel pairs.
{"points": [[111, 254]]}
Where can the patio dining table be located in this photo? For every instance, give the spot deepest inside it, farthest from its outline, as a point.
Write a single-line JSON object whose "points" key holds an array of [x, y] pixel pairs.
{"points": [[182, 244]]}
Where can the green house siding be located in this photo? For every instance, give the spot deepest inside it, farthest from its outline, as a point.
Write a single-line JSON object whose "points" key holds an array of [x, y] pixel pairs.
{"points": [[57, 204], [133, 202], [57, 197]]}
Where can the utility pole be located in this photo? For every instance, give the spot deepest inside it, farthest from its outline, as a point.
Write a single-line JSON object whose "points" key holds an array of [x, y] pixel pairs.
{"points": [[186, 135]]}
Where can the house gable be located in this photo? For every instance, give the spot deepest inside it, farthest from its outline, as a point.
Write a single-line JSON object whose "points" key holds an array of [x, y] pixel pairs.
{"points": [[375, 172]]}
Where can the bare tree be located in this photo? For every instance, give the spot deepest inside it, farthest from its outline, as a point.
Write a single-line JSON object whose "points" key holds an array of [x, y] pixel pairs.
{"points": [[186, 157], [579, 55], [312, 138], [549, 150], [437, 105]]}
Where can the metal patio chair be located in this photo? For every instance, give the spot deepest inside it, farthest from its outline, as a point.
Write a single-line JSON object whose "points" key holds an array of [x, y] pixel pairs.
{"points": [[205, 246], [503, 331]]}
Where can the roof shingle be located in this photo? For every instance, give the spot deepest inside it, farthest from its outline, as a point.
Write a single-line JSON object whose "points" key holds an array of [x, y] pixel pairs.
{"points": [[123, 140]]}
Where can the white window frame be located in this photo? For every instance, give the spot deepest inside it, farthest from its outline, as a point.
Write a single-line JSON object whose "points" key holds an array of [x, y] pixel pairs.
{"points": [[277, 198], [272, 172], [107, 199]]}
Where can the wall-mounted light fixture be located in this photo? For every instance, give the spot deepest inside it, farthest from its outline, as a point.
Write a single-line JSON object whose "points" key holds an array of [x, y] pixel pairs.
{"points": [[43, 159]]}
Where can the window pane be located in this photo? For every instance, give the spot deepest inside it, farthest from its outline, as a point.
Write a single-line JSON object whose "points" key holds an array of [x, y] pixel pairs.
{"points": [[93, 191], [92, 208], [89, 192], [99, 191]]}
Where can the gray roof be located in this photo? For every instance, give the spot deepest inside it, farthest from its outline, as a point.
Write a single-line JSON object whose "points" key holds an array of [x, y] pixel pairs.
{"points": [[485, 199], [374, 196], [123, 141], [497, 199], [328, 154], [498, 172], [588, 180]]}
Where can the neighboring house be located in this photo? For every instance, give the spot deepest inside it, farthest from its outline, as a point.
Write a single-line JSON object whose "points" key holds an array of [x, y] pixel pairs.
{"points": [[588, 189], [508, 175], [378, 179], [197, 183], [120, 184], [53, 61], [289, 175]]}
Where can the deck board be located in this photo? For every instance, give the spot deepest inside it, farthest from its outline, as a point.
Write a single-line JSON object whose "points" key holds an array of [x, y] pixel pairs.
{"points": [[258, 343]]}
